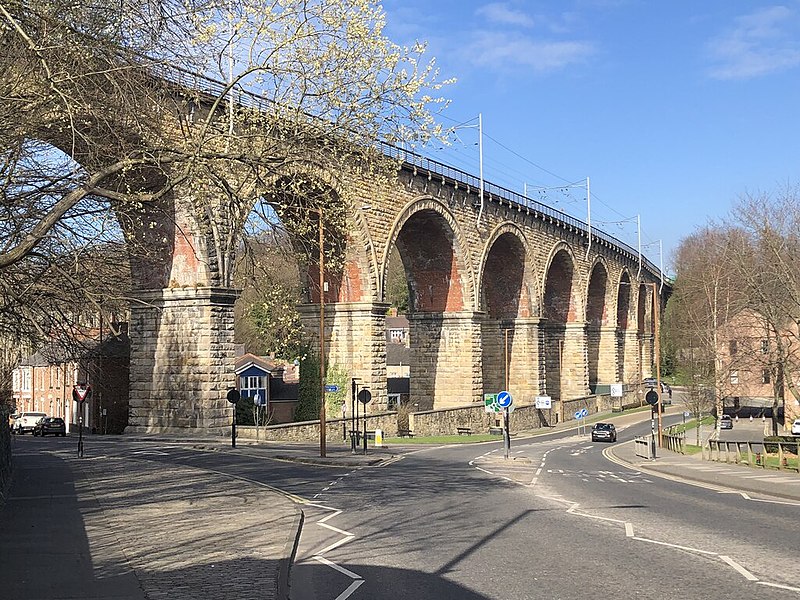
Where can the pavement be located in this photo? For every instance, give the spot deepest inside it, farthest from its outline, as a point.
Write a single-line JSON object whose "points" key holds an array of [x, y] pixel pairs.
{"points": [[120, 528], [724, 477]]}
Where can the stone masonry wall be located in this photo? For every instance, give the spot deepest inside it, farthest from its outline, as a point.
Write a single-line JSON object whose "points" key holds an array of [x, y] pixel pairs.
{"points": [[182, 359], [446, 359], [355, 340], [525, 417]]}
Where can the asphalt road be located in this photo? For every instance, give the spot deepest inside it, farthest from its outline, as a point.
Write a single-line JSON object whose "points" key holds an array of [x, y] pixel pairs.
{"points": [[557, 519]]}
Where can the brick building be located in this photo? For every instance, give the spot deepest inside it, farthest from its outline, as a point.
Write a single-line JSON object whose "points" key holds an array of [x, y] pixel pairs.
{"points": [[747, 351], [43, 381]]}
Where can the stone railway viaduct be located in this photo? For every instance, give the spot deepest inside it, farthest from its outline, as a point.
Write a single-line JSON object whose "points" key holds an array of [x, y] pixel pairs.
{"points": [[507, 277], [490, 276]]}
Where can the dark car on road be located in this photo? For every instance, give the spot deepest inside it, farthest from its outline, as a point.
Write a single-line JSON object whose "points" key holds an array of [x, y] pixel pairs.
{"points": [[604, 432], [725, 422], [50, 426]]}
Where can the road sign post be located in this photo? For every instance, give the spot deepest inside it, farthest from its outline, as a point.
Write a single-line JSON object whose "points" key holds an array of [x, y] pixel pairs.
{"points": [[233, 397], [80, 394], [506, 402], [580, 415], [364, 396]]}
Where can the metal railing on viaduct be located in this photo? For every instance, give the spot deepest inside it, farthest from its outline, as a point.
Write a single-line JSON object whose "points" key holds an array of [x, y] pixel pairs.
{"points": [[214, 88]]}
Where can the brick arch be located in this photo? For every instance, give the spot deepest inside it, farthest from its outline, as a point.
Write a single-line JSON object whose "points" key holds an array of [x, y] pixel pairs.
{"points": [[354, 278], [427, 236], [560, 300], [508, 290], [641, 309], [623, 302], [596, 297]]}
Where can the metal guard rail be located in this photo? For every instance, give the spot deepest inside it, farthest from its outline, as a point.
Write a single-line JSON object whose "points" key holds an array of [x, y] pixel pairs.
{"points": [[207, 85]]}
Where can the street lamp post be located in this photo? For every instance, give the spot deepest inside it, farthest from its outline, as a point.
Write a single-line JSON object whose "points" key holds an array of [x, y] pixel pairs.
{"points": [[322, 415], [657, 352]]}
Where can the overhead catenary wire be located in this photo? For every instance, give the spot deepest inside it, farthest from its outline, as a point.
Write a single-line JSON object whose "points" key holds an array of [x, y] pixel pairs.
{"points": [[501, 172]]}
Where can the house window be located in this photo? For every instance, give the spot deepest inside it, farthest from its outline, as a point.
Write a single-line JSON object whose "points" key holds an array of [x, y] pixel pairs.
{"points": [[396, 336], [734, 377], [252, 382], [732, 347], [764, 346], [765, 376]]}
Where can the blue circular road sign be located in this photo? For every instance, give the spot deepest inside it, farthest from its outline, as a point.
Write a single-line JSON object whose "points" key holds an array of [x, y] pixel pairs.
{"points": [[584, 412], [578, 414], [504, 399]]}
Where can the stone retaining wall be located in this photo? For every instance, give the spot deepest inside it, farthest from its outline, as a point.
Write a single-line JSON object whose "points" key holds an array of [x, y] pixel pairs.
{"points": [[442, 422]]}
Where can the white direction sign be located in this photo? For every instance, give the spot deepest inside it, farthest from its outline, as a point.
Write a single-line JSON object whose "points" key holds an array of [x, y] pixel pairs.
{"points": [[543, 402], [616, 390]]}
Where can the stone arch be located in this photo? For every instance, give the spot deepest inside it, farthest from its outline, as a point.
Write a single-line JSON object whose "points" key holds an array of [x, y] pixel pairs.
{"points": [[601, 358], [627, 348], [566, 373], [510, 327], [623, 303], [560, 300], [597, 294], [641, 310], [643, 329], [427, 215], [444, 339], [353, 276], [507, 287]]}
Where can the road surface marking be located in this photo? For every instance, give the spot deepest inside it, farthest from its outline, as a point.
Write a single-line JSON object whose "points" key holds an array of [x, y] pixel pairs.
{"points": [[390, 461], [739, 568], [349, 591], [629, 529], [341, 542], [689, 548], [333, 565], [778, 585], [332, 528]]}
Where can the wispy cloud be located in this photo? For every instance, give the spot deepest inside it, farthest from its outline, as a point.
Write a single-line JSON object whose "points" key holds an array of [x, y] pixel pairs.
{"points": [[504, 50], [502, 14], [760, 43]]}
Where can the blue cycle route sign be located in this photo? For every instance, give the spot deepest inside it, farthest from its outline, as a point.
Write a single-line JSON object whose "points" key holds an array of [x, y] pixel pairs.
{"points": [[331, 388], [504, 399]]}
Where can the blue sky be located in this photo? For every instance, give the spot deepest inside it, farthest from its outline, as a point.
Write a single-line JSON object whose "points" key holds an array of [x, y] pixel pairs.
{"points": [[674, 109]]}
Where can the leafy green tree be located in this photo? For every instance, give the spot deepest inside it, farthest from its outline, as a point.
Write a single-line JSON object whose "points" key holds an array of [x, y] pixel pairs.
{"points": [[308, 391]]}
